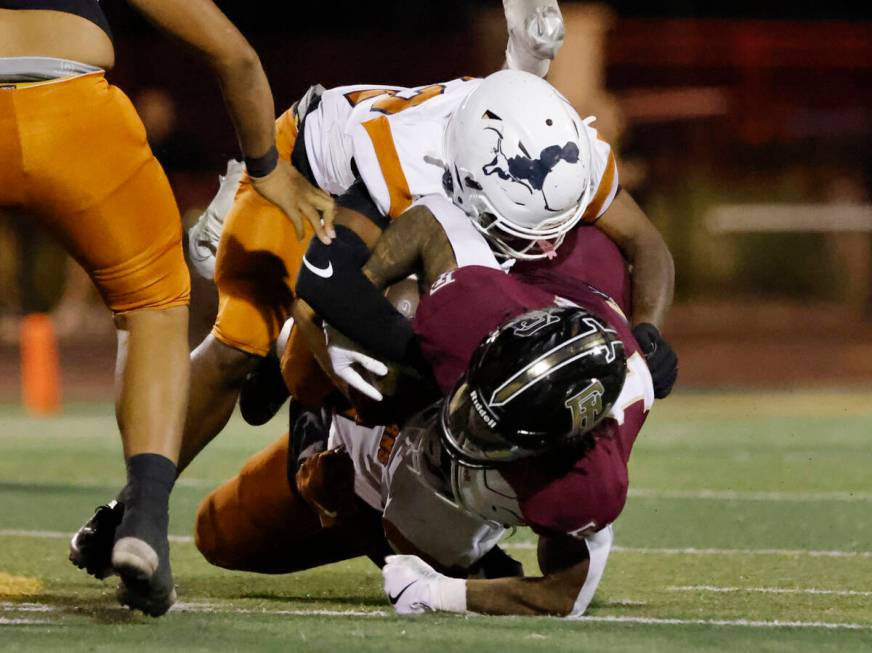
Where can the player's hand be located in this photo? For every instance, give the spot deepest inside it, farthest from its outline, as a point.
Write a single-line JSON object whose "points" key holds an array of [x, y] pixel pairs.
{"points": [[326, 482], [343, 358], [293, 194], [661, 360], [410, 584]]}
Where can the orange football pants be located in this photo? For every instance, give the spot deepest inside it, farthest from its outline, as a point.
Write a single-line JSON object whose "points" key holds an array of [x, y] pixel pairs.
{"points": [[256, 522], [73, 153], [257, 262]]}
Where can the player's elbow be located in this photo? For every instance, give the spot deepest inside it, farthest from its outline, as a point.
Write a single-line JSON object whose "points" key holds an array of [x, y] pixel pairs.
{"points": [[234, 58]]}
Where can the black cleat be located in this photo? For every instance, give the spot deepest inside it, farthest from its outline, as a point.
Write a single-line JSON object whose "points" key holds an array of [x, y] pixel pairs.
{"points": [[263, 392], [146, 580], [91, 546]]}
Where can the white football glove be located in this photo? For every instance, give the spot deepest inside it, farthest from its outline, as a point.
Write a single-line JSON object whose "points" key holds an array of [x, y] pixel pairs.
{"points": [[536, 33], [414, 587], [343, 359], [204, 236]]}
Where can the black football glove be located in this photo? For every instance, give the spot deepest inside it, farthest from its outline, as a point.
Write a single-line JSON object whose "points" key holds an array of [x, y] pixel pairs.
{"points": [[661, 360]]}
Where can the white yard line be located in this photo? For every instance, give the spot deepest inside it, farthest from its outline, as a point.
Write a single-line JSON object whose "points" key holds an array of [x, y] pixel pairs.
{"points": [[712, 552], [214, 608], [737, 495], [522, 546], [742, 623], [60, 535], [210, 608], [767, 590]]}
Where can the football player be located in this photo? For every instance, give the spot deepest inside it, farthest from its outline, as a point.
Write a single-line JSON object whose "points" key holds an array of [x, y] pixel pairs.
{"points": [[517, 441], [536, 431], [75, 155], [470, 141], [375, 148], [259, 254]]}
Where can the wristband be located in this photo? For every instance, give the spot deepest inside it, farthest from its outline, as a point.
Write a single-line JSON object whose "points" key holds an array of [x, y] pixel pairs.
{"points": [[449, 594], [261, 166]]}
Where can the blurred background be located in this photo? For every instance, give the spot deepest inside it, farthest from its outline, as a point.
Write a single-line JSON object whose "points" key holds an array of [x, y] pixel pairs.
{"points": [[743, 129]]}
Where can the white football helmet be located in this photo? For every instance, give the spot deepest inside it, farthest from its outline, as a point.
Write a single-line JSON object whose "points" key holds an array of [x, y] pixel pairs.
{"points": [[519, 163]]}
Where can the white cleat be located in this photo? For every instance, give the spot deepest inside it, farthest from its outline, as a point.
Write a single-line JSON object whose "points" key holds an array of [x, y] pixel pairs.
{"points": [[204, 236], [536, 33]]}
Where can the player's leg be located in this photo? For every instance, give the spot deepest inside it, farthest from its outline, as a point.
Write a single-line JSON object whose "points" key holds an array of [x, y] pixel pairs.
{"points": [[258, 522], [255, 269], [113, 209], [254, 274]]}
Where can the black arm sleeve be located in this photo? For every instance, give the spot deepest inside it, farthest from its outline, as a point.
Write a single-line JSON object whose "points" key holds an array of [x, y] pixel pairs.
{"points": [[332, 282]]}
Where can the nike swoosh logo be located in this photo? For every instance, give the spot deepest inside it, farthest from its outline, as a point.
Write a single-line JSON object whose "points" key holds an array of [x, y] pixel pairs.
{"points": [[324, 273], [393, 599]]}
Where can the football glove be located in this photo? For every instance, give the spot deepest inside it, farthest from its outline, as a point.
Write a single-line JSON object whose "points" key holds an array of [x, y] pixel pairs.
{"points": [[326, 482], [414, 587], [662, 361], [343, 359]]}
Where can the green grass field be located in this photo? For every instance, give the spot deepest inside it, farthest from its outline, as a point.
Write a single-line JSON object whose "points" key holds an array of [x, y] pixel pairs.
{"points": [[749, 528]]}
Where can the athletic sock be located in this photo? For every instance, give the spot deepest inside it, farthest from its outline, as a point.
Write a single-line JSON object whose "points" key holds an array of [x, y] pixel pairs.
{"points": [[150, 479]]}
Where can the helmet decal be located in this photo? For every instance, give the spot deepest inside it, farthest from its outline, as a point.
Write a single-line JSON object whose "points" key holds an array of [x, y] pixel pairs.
{"points": [[564, 354], [528, 326], [521, 168], [586, 406]]}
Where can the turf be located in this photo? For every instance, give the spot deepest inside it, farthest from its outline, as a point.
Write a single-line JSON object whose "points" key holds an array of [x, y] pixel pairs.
{"points": [[748, 528]]}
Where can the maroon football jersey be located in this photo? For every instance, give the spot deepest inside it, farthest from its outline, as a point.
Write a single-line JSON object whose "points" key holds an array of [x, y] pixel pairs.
{"points": [[587, 256], [578, 498]]}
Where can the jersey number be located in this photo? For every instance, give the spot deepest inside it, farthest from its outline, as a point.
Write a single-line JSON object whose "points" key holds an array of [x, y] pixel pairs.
{"points": [[393, 103]]}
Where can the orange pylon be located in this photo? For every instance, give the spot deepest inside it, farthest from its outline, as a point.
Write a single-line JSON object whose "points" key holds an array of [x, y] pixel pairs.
{"points": [[40, 370]]}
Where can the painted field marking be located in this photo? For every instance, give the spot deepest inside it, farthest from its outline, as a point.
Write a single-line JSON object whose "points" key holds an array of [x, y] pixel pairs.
{"points": [[743, 623], [209, 608], [735, 495], [525, 546], [767, 590], [60, 535], [214, 608]]}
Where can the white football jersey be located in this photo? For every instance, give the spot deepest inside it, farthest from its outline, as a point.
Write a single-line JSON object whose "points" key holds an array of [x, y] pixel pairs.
{"points": [[394, 473], [394, 136]]}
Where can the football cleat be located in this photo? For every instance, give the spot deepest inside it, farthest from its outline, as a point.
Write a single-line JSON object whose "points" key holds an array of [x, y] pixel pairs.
{"points": [[263, 392], [204, 236], [536, 33], [146, 580], [91, 546]]}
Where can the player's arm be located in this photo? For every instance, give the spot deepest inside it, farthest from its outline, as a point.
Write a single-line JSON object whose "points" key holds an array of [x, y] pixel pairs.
{"points": [[653, 271], [564, 562], [416, 241], [351, 298], [203, 27], [653, 274], [571, 571]]}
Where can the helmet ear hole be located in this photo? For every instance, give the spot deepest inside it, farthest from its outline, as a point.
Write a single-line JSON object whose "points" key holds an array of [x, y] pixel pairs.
{"points": [[448, 183]]}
